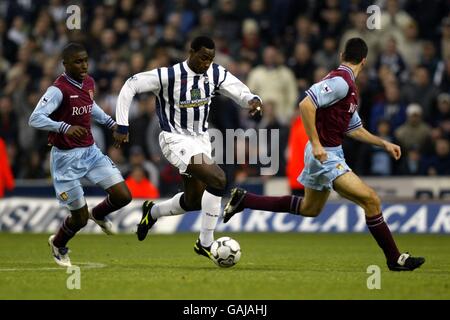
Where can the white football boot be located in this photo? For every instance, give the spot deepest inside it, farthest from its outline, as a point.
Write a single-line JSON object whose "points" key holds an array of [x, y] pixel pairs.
{"points": [[60, 255], [105, 224]]}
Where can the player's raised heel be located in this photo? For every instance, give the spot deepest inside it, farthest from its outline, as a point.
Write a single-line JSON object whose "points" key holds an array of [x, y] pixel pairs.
{"points": [[104, 224], [146, 221], [60, 255], [406, 263], [232, 206], [201, 250]]}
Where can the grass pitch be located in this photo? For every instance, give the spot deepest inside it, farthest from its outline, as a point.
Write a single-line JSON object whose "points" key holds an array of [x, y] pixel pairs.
{"points": [[273, 266]]}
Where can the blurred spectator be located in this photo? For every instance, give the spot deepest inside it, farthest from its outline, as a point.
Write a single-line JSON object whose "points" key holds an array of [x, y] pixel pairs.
{"points": [[441, 116], [375, 160], [116, 155], [258, 11], [146, 110], [411, 47], [33, 167], [137, 158], [421, 91], [426, 14], [139, 185], [9, 130], [6, 175], [282, 13], [302, 65], [331, 17], [306, 33], [274, 81], [206, 24], [270, 122], [227, 19], [8, 48], [17, 33], [439, 163], [391, 109], [391, 58], [429, 58], [328, 56], [251, 42], [411, 163], [393, 20], [442, 76], [415, 132]]}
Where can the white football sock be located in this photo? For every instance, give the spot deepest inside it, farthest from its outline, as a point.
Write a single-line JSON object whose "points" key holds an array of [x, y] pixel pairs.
{"points": [[211, 206], [169, 207]]}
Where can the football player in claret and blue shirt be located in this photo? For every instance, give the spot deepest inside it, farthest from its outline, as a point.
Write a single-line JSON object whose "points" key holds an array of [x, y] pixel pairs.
{"points": [[329, 113], [66, 110]]}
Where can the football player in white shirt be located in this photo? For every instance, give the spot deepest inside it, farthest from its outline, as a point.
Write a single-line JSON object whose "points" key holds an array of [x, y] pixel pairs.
{"points": [[184, 93]]}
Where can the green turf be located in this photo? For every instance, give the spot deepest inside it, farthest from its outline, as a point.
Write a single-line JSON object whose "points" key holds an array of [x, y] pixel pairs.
{"points": [[273, 266]]}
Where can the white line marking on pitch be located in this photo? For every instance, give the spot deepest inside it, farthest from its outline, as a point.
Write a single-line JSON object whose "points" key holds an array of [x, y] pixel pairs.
{"points": [[83, 265]]}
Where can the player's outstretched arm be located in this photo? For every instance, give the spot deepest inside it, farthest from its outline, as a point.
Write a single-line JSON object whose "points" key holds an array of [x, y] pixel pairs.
{"points": [[148, 81], [308, 112], [235, 89], [101, 117], [365, 136]]}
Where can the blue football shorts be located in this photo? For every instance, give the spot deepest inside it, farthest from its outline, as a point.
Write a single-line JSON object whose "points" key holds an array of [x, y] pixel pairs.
{"points": [[69, 166], [320, 176]]}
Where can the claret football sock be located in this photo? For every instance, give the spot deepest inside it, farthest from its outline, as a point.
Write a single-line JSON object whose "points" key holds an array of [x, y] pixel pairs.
{"points": [[289, 204], [380, 231], [104, 208], [64, 234]]}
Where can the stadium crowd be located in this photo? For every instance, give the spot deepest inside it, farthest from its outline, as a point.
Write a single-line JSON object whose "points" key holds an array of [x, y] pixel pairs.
{"points": [[277, 47]]}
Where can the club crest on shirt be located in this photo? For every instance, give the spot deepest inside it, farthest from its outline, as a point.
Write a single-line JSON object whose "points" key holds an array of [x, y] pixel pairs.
{"points": [[91, 94], [339, 166], [326, 88], [195, 94], [64, 196]]}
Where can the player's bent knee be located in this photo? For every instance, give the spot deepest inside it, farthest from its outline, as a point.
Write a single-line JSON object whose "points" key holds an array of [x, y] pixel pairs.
{"points": [[372, 203], [193, 202], [219, 181], [122, 198], [79, 219]]}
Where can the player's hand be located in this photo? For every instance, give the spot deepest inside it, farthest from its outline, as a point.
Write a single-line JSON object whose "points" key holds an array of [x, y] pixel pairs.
{"points": [[394, 150], [319, 153], [255, 106], [76, 132], [119, 139]]}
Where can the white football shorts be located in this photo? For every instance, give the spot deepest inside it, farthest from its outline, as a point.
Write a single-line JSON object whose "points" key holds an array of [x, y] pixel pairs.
{"points": [[179, 148]]}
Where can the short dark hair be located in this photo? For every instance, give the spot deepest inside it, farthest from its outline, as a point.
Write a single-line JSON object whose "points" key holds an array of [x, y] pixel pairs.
{"points": [[71, 48], [355, 50], [202, 41]]}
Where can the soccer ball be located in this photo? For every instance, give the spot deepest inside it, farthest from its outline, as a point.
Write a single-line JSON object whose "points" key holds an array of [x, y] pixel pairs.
{"points": [[226, 252]]}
